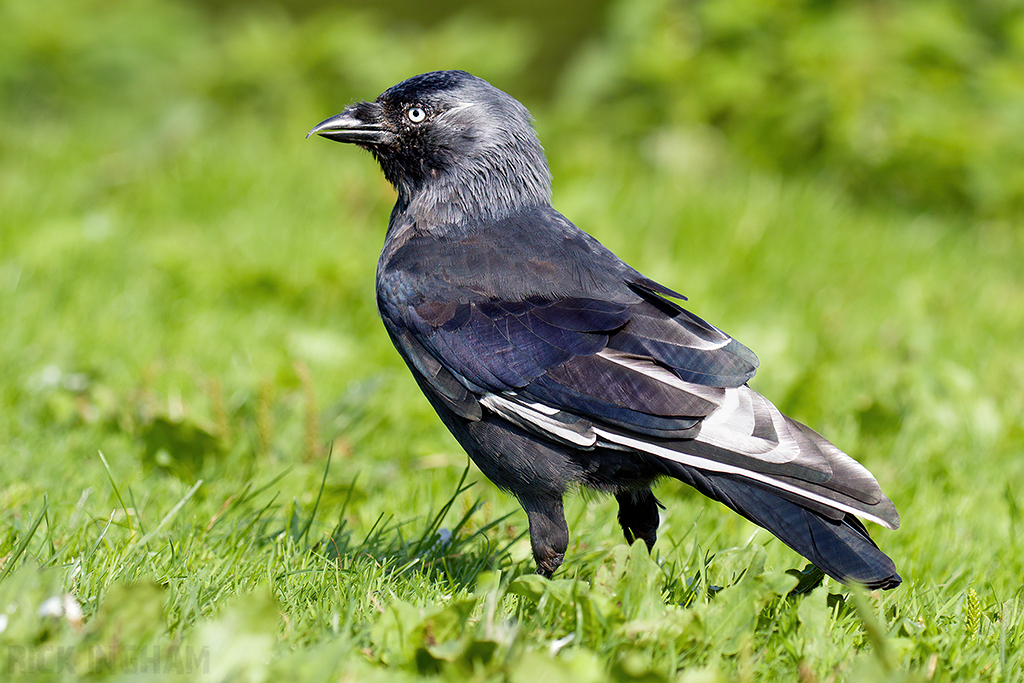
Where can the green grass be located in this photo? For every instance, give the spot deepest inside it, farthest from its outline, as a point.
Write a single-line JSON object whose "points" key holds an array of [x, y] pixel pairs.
{"points": [[209, 448]]}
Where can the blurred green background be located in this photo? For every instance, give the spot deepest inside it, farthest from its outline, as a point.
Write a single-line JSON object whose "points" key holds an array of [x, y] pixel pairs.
{"points": [[186, 287]]}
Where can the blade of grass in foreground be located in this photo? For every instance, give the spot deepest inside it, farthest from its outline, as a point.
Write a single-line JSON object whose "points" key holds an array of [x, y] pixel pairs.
{"points": [[12, 560]]}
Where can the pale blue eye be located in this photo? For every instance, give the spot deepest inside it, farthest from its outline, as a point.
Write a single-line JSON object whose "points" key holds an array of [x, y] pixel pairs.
{"points": [[416, 114]]}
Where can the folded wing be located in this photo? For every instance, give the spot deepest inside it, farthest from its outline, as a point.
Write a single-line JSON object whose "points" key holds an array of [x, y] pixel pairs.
{"points": [[648, 376]]}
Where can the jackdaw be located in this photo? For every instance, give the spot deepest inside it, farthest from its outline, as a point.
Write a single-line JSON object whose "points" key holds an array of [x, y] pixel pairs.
{"points": [[556, 365]]}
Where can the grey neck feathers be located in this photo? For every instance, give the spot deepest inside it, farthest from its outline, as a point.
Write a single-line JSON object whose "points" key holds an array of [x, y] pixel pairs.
{"points": [[493, 183]]}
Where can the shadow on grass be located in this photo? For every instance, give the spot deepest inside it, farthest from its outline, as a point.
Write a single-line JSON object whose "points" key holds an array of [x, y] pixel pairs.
{"points": [[456, 555]]}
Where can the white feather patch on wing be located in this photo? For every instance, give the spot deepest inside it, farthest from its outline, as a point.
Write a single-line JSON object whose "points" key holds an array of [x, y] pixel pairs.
{"points": [[732, 427], [700, 463], [659, 373], [538, 416]]}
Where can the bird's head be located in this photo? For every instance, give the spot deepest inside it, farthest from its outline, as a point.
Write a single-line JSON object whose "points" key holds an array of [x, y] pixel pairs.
{"points": [[449, 139]]}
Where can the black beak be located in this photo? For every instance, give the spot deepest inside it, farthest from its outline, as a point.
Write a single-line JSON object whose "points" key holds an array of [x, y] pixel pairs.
{"points": [[362, 124]]}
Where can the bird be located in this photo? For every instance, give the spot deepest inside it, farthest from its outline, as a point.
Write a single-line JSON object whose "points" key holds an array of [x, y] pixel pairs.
{"points": [[557, 366]]}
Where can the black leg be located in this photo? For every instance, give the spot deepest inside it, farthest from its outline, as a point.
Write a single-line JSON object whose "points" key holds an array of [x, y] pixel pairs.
{"points": [[638, 516], [549, 534]]}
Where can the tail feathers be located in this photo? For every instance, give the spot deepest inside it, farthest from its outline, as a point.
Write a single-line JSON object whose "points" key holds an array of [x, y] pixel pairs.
{"points": [[840, 548]]}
